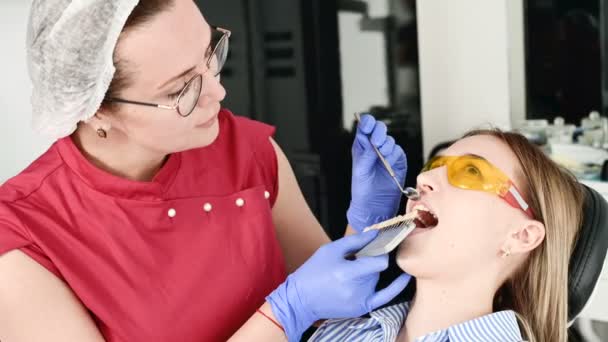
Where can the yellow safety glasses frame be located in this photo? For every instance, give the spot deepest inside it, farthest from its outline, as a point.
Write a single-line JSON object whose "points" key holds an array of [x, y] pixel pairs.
{"points": [[472, 172]]}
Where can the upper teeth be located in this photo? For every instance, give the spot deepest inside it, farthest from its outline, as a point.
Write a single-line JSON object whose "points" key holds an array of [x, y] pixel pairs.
{"points": [[422, 207]]}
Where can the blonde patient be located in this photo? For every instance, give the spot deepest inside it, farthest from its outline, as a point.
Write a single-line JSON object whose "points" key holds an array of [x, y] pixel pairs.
{"points": [[497, 225]]}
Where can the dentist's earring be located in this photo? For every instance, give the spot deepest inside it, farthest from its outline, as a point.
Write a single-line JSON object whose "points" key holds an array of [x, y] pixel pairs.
{"points": [[506, 253], [103, 127], [102, 133]]}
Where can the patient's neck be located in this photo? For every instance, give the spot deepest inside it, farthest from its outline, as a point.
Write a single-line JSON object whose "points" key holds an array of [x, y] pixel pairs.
{"points": [[439, 305]]}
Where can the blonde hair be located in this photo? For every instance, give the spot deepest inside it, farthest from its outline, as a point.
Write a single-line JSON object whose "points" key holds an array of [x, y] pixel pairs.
{"points": [[538, 290]]}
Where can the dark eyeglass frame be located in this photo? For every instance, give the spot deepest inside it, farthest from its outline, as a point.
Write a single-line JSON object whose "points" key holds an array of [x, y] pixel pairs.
{"points": [[198, 77]]}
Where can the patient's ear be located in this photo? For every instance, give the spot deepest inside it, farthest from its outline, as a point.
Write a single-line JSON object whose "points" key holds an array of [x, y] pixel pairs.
{"points": [[530, 235]]}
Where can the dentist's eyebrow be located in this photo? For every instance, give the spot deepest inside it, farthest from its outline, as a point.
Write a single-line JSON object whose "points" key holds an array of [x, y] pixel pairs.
{"points": [[186, 72]]}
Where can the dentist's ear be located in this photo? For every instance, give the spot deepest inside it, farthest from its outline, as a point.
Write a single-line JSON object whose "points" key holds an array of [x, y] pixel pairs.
{"points": [[530, 235]]}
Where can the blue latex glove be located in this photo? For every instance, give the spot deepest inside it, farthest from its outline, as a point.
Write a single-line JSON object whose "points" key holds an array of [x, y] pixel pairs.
{"points": [[374, 195], [329, 286]]}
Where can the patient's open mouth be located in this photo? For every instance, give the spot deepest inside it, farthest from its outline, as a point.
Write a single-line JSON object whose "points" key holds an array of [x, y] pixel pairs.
{"points": [[426, 218]]}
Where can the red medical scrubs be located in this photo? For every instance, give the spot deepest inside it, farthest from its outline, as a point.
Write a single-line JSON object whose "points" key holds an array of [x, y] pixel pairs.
{"points": [[188, 256]]}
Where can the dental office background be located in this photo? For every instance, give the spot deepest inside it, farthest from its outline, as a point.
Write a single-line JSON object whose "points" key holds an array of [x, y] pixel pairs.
{"points": [[431, 69]]}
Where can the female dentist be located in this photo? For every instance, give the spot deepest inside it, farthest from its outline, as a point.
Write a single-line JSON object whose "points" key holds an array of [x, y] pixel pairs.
{"points": [[157, 215]]}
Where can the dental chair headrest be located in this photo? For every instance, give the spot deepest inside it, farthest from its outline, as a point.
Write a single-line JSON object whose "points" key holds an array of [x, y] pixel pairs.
{"points": [[589, 253]]}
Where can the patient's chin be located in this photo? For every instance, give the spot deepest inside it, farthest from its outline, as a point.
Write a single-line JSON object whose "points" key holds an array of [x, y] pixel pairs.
{"points": [[415, 262], [408, 262], [419, 269]]}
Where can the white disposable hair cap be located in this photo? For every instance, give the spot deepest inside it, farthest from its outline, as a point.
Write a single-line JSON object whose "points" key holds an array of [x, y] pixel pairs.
{"points": [[70, 48]]}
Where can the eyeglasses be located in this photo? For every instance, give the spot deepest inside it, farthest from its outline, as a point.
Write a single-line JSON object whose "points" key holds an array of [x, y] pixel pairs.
{"points": [[189, 95], [475, 173]]}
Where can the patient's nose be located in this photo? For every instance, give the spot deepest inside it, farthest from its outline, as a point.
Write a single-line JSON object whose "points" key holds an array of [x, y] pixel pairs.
{"points": [[425, 182]]}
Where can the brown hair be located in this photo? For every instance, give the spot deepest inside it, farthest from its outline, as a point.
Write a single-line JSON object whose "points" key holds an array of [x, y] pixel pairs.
{"points": [[143, 12], [538, 290]]}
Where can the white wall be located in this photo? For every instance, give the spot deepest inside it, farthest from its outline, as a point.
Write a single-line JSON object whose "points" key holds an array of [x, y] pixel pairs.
{"points": [[471, 66], [363, 63], [471, 71], [517, 60], [19, 146]]}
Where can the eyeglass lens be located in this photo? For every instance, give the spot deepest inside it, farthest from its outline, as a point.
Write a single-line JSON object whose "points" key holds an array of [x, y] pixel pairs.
{"points": [[192, 92], [190, 96]]}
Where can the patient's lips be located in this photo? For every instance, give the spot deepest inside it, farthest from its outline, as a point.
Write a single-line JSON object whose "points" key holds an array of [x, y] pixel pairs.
{"points": [[426, 218]]}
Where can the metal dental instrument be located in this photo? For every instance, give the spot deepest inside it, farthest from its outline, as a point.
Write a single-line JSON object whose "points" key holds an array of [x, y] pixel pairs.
{"points": [[409, 192]]}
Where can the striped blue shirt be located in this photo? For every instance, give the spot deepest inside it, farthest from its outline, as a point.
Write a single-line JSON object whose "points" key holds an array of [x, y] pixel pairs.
{"points": [[385, 324]]}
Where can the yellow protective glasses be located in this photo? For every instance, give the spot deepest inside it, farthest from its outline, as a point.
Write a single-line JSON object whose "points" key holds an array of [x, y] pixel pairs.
{"points": [[471, 172]]}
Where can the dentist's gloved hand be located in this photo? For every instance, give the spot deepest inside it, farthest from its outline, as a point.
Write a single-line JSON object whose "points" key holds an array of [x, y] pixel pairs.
{"points": [[374, 195], [329, 286]]}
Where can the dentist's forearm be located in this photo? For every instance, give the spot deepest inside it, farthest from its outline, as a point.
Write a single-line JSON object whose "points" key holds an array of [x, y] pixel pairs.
{"points": [[260, 327], [349, 230]]}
